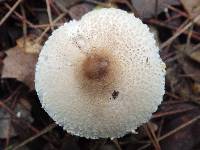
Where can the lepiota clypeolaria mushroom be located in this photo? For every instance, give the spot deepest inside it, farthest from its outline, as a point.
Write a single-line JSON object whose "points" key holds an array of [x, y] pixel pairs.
{"points": [[101, 76]]}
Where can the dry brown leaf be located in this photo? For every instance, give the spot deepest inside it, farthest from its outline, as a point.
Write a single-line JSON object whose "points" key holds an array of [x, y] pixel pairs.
{"points": [[28, 45], [20, 65], [192, 7], [147, 8]]}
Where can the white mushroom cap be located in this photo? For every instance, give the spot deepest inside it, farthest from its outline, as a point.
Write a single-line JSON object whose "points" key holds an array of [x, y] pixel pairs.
{"points": [[101, 76]]}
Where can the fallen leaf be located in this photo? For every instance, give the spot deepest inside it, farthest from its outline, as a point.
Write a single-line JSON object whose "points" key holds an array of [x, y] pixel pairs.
{"points": [[147, 8], [28, 45], [20, 65], [192, 7]]}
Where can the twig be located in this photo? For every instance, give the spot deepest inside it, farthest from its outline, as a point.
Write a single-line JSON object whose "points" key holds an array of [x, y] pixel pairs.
{"points": [[175, 102], [173, 131], [19, 16], [99, 3], [172, 95], [182, 25], [177, 10], [196, 47], [172, 18], [31, 25], [195, 35], [61, 7], [38, 40], [162, 114], [115, 141], [10, 12], [21, 120], [47, 129], [55, 8], [152, 136], [49, 14], [179, 128], [196, 19], [157, 144], [8, 132], [189, 38], [160, 127], [149, 134], [24, 25], [13, 94]]}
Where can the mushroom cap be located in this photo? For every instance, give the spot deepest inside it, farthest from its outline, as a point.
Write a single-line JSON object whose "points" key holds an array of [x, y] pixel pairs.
{"points": [[101, 76]]}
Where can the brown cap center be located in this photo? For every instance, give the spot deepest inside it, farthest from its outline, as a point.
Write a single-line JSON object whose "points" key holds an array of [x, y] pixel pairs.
{"points": [[96, 67]]}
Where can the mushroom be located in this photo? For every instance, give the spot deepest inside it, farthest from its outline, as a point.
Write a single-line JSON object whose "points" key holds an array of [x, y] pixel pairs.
{"points": [[101, 76]]}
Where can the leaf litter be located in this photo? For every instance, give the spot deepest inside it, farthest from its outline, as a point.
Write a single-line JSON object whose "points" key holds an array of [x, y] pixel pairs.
{"points": [[27, 24]]}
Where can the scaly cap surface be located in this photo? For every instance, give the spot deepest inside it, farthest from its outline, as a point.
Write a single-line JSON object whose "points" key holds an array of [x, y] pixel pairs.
{"points": [[101, 76]]}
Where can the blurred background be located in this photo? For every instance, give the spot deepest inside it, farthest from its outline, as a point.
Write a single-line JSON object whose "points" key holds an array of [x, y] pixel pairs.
{"points": [[26, 24]]}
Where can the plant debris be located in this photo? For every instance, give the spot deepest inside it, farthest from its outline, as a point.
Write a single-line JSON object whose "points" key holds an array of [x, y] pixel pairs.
{"points": [[192, 8], [20, 65], [25, 25]]}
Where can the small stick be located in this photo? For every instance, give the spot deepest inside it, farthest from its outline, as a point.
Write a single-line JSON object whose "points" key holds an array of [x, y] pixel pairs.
{"points": [[196, 19], [116, 143], [38, 40], [47, 129], [196, 47], [161, 127], [49, 14], [157, 144], [195, 35], [24, 27], [10, 12], [13, 115], [20, 16], [173, 17], [147, 130], [162, 114], [173, 131], [177, 10]]}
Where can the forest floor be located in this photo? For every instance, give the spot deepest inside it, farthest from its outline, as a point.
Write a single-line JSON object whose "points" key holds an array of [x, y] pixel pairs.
{"points": [[26, 24]]}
